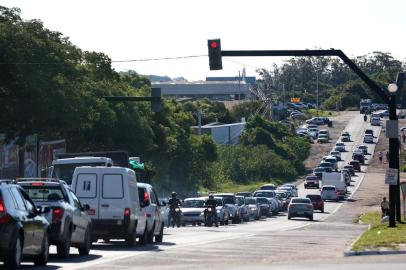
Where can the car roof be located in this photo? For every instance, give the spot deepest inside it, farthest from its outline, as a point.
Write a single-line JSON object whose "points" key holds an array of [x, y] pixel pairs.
{"points": [[144, 185]]}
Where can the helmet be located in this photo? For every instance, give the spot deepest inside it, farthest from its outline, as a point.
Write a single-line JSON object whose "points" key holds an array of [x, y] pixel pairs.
{"points": [[211, 196], [174, 194]]}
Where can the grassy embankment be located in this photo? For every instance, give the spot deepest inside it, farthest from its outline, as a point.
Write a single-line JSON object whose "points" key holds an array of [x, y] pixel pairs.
{"points": [[379, 235]]}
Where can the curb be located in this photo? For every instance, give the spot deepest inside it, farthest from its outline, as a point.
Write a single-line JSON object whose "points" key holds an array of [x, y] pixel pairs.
{"points": [[349, 253]]}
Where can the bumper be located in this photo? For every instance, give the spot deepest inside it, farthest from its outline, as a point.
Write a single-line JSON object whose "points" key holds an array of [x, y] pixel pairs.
{"points": [[111, 228], [192, 218], [305, 214], [311, 184]]}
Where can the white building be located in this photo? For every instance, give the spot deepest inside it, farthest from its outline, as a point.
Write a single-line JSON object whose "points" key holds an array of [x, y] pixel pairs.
{"points": [[223, 133]]}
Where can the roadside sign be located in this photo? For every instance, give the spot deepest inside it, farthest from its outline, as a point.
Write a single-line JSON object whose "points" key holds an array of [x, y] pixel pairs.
{"points": [[392, 128], [294, 100], [391, 176]]}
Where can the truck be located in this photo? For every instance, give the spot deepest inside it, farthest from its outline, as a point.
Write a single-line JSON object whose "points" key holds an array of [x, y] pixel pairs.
{"points": [[64, 165], [365, 105], [336, 179]]}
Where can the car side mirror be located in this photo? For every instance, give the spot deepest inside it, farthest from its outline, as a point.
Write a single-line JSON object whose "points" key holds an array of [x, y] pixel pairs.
{"points": [[86, 207]]}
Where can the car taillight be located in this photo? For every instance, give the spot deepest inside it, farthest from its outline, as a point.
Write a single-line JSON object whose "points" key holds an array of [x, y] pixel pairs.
{"points": [[127, 213], [57, 214], [4, 217], [309, 206]]}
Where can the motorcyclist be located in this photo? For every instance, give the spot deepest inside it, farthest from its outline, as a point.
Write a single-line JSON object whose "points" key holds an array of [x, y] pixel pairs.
{"points": [[173, 203], [212, 204], [365, 117]]}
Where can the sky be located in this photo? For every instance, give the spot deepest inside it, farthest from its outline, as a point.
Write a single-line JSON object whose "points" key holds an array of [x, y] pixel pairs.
{"points": [[150, 29]]}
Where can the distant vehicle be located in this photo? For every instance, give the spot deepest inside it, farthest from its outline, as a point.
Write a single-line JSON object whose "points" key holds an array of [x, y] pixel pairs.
{"points": [[23, 229], [283, 196], [322, 138], [312, 126], [290, 187], [268, 187], [317, 201], [337, 180], [345, 137], [222, 211], [244, 194], [359, 156], [300, 207], [336, 154], [332, 160], [231, 203], [326, 164], [347, 176], [364, 149], [368, 138], [271, 196], [314, 132], [340, 147], [316, 121], [325, 132], [403, 129], [329, 192], [311, 181], [365, 105], [264, 205], [375, 121], [117, 207], [318, 171], [69, 223], [355, 164], [369, 131], [193, 211], [350, 168], [300, 116], [245, 213], [254, 208]]}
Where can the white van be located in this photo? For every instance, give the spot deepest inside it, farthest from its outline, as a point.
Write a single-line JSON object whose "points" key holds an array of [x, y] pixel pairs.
{"points": [[335, 179], [116, 209]]}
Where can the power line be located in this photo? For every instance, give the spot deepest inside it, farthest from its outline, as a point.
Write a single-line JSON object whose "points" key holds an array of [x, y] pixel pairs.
{"points": [[112, 61], [240, 63]]}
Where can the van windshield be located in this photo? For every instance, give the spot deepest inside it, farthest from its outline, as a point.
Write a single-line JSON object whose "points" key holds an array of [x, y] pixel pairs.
{"points": [[65, 171]]}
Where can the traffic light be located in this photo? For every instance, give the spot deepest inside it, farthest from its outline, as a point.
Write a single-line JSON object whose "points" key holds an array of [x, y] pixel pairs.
{"points": [[215, 62]]}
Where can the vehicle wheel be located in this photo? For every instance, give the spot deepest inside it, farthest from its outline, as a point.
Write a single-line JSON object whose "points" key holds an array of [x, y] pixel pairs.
{"points": [[85, 249], [289, 217], [42, 259], [13, 259], [257, 217], [322, 210], [131, 238], [311, 218], [63, 249], [151, 235], [144, 237], [221, 223], [193, 224], [226, 222], [160, 236]]}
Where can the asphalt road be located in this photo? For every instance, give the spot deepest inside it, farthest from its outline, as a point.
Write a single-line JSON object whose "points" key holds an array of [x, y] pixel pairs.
{"points": [[274, 243]]}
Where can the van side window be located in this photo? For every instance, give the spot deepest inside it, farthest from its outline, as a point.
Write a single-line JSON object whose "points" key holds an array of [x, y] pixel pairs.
{"points": [[153, 197], [112, 186], [18, 199], [86, 185], [153, 194]]}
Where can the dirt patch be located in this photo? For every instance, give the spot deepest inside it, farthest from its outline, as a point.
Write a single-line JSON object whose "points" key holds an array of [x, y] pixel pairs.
{"points": [[317, 151]]}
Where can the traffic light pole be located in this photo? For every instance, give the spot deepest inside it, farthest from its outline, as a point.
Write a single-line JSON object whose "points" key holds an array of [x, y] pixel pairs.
{"points": [[394, 191]]}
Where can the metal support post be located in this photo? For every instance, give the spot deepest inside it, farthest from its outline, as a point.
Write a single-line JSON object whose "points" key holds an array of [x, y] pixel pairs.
{"points": [[393, 163]]}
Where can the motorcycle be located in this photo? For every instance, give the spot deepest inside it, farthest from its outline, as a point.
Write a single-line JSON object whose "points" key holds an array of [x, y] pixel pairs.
{"points": [[210, 217], [176, 214], [365, 118]]}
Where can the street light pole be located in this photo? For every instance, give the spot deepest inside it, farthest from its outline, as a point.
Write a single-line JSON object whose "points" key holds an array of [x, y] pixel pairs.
{"points": [[393, 154]]}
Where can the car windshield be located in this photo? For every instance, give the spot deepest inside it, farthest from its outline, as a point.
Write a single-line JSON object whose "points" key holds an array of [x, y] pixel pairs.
{"points": [[268, 187], [219, 202], [44, 192], [329, 188], [340, 144], [193, 204], [264, 194], [314, 198], [262, 200], [228, 199], [250, 201], [281, 194], [299, 200]]}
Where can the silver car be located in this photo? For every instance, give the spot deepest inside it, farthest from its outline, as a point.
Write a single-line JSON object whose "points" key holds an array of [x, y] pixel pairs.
{"points": [[193, 211], [253, 207], [300, 207], [329, 192], [244, 209], [231, 204]]}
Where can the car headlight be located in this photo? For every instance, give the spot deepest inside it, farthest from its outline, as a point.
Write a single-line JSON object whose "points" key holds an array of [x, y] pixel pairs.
{"points": [[202, 213], [253, 208], [218, 211], [209, 209], [231, 215]]}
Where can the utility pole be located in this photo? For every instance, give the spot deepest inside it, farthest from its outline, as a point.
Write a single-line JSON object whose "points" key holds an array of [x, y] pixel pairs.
{"points": [[317, 88], [199, 121]]}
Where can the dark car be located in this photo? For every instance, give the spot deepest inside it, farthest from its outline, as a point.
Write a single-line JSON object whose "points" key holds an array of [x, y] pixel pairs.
{"points": [[317, 201], [350, 168], [359, 157], [300, 207], [311, 181], [355, 164], [268, 187], [264, 206], [23, 231], [69, 223]]}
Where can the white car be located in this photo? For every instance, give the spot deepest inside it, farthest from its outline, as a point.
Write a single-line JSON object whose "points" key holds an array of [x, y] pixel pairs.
{"points": [[325, 132], [340, 147], [375, 121], [316, 121], [329, 192], [336, 154], [368, 138]]}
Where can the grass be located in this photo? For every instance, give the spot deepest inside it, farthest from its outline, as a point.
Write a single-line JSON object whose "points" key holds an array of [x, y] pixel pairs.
{"points": [[321, 113], [233, 188], [379, 235]]}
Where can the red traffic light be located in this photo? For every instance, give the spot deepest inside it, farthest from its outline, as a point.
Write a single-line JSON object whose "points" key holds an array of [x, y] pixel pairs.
{"points": [[214, 44]]}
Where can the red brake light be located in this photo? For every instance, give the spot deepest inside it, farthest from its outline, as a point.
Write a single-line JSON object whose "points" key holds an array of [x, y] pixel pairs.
{"points": [[146, 196], [4, 218], [37, 184], [57, 214], [127, 212]]}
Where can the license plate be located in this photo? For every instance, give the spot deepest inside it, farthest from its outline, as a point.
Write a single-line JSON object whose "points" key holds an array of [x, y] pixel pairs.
{"points": [[300, 213]]}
